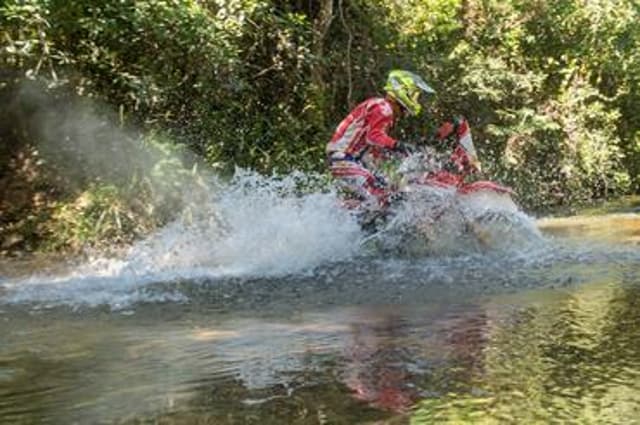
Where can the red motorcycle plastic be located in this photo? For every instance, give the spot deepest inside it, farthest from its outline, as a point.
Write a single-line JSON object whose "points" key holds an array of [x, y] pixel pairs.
{"points": [[432, 200], [461, 164]]}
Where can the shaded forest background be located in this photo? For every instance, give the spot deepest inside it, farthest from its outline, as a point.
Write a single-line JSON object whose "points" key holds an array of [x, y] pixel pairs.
{"points": [[109, 109]]}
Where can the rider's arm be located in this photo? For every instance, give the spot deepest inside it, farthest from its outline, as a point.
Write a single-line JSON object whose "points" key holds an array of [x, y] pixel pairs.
{"points": [[445, 130], [448, 128], [450, 132], [379, 120]]}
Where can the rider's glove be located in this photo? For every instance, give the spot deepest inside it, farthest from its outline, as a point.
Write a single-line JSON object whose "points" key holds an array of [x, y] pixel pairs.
{"points": [[448, 128], [445, 130]]}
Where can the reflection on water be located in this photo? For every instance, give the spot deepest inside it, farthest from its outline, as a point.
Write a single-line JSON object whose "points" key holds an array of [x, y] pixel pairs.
{"points": [[533, 357], [539, 353], [571, 360]]}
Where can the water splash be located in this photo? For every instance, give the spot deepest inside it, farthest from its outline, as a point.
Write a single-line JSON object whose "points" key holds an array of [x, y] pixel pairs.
{"points": [[438, 221], [253, 227]]}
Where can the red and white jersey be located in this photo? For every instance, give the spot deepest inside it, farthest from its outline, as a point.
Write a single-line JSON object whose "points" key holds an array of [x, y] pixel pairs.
{"points": [[365, 126]]}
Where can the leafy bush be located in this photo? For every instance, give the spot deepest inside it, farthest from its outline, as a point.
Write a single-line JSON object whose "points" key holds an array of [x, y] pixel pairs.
{"points": [[551, 88]]}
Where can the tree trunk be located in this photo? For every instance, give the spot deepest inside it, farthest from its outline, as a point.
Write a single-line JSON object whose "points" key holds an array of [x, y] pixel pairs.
{"points": [[321, 25]]}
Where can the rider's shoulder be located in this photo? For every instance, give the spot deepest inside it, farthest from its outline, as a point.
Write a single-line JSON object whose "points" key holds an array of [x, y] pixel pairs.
{"points": [[380, 104]]}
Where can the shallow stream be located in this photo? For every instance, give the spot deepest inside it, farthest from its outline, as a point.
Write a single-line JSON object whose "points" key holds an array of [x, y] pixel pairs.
{"points": [[310, 331]]}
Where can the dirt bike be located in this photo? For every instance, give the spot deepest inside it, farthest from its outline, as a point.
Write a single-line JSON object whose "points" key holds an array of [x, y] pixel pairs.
{"points": [[433, 201]]}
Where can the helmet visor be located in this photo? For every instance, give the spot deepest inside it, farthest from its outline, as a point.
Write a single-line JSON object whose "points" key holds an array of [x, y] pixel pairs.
{"points": [[422, 86], [421, 92]]}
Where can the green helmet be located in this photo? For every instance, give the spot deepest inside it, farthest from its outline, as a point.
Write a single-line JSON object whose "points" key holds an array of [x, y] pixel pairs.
{"points": [[405, 87]]}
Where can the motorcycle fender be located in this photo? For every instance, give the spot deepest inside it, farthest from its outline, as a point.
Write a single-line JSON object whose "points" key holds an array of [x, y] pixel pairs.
{"points": [[485, 185]]}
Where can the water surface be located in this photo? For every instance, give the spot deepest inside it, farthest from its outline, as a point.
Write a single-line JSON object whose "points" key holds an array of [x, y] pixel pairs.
{"points": [[550, 333]]}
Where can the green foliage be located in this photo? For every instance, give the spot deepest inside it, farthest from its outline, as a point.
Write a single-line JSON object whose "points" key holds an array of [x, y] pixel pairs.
{"points": [[551, 87], [105, 214], [99, 214], [544, 81]]}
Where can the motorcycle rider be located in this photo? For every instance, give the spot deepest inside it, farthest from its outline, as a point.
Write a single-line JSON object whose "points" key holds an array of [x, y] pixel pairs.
{"points": [[362, 137]]}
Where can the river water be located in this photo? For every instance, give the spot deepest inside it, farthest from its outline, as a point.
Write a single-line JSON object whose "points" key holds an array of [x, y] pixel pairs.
{"points": [[288, 323]]}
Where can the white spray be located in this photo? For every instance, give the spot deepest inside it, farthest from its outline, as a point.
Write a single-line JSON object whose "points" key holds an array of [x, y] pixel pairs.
{"points": [[253, 226]]}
